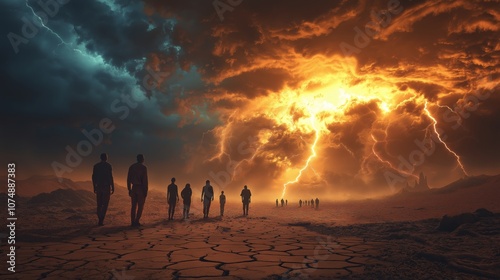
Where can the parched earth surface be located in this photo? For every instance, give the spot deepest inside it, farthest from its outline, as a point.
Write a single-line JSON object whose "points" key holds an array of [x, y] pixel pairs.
{"points": [[272, 243], [244, 248]]}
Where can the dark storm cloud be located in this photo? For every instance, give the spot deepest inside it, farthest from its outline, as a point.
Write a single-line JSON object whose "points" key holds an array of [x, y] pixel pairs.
{"points": [[73, 73], [257, 82]]}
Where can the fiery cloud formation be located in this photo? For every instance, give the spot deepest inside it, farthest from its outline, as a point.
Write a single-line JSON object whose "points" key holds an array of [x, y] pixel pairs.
{"points": [[341, 99]]}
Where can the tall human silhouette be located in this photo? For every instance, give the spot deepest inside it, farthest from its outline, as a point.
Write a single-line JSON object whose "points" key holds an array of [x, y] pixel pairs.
{"points": [[172, 198], [245, 199], [222, 202], [186, 199], [137, 185], [207, 195], [102, 180]]}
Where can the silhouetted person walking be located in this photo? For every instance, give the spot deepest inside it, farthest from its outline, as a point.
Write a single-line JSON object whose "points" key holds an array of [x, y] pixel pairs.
{"points": [[102, 180], [137, 185], [282, 202], [222, 201], [245, 198], [286, 202], [300, 203], [277, 202], [186, 199], [312, 203], [317, 203], [172, 198], [207, 195]]}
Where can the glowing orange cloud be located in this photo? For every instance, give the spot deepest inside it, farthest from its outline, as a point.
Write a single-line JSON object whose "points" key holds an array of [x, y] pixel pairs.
{"points": [[325, 90]]}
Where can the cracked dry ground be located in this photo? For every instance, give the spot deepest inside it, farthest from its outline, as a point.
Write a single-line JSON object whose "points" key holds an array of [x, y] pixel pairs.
{"points": [[232, 248]]}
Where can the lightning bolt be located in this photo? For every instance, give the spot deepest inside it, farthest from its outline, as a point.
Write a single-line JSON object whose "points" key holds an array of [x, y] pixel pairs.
{"points": [[223, 134], [457, 157], [45, 26], [62, 42], [311, 156], [388, 162]]}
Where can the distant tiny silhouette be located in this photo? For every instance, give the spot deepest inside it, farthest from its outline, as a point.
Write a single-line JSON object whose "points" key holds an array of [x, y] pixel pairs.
{"points": [[245, 198], [222, 201], [102, 180], [282, 202], [312, 203], [317, 202], [172, 198], [207, 195], [186, 200], [286, 202], [277, 202], [137, 185], [300, 203]]}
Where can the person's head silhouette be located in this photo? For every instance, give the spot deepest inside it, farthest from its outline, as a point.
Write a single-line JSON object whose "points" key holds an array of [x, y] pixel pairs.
{"points": [[173, 180], [222, 192], [104, 157], [188, 185], [207, 182], [245, 187], [140, 158]]}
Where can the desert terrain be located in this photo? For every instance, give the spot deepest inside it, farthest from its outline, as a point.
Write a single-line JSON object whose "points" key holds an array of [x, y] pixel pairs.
{"points": [[398, 237]]}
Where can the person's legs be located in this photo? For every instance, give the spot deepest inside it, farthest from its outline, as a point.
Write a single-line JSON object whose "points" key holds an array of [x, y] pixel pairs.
{"points": [[99, 206], [172, 205], [208, 207], [141, 199], [105, 196], [169, 210], [134, 207], [245, 206], [204, 208]]}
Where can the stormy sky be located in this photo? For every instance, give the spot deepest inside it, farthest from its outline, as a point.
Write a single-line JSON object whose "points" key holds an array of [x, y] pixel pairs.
{"points": [[338, 99]]}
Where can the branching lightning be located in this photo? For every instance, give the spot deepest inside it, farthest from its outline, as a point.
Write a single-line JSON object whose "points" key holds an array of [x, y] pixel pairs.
{"points": [[45, 26], [457, 157], [388, 162], [311, 156]]}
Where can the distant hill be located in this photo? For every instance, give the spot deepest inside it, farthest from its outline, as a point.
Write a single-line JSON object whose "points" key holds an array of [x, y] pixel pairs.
{"points": [[458, 185], [46, 183], [467, 182], [42, 184], [64, 198]]}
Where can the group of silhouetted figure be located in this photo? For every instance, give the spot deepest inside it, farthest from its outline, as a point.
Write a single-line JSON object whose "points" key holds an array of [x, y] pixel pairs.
{"points": [[314, 203], [137, 185]]}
